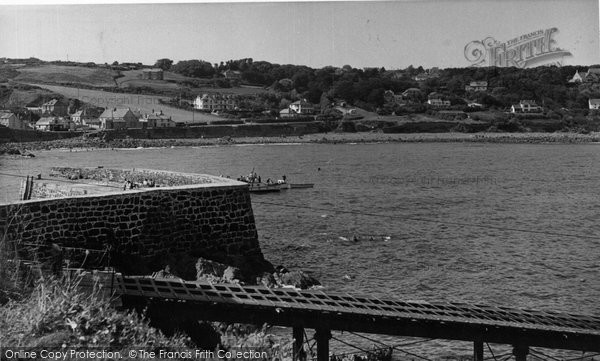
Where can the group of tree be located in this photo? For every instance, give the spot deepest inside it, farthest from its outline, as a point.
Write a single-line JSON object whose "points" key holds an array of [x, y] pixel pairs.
{"points": [[548, 85]]}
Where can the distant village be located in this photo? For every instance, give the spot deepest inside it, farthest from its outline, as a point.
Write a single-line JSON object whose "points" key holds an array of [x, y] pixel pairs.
{"points": [[58, 115]]}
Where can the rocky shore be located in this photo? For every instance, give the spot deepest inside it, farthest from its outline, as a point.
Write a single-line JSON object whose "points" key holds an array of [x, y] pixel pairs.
{"points": [[79, 143]]}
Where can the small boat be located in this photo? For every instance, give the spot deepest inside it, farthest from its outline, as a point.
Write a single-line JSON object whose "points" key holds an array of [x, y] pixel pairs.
{"points": [[264, 187], [296, 185]]}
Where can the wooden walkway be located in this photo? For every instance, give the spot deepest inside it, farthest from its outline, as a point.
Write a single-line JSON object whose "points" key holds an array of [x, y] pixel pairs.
{"points": [[326, 311]]}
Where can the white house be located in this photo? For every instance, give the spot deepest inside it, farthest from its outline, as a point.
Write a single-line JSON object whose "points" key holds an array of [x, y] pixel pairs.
{"points": [[302, 107], [157, 120], [391, 98], [232, 74], [594, 103], [526, 106], [591, 76], [214, 102], [10, 120], [118, 118], [83, 117], [437, 102], [54, 123], [477, 86], [286, 113]]}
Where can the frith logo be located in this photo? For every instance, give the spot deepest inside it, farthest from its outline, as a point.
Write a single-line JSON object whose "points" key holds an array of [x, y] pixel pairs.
{"points": [[524, 51]]}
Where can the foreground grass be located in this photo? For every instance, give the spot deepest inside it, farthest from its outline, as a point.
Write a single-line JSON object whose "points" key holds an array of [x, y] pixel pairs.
{"points": [[56, 314]]}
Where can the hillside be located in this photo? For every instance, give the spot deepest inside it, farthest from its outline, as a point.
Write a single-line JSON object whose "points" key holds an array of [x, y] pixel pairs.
{"points": [[61, 74], [175, 84], [133, 78], [129, 80], [22, 95], [145, 103]]}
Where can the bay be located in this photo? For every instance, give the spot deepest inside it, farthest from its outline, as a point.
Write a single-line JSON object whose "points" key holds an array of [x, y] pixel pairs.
{"points": [[504, 224]]}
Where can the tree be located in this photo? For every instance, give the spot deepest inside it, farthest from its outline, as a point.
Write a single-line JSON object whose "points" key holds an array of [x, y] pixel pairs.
{"points": [[164, 64], [193, 68]]}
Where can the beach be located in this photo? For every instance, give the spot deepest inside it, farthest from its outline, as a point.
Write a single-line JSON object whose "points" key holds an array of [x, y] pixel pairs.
{"points": [[322, 138]]}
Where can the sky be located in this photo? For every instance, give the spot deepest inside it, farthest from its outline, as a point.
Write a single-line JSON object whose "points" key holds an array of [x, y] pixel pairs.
{"points": [[390, 34]]}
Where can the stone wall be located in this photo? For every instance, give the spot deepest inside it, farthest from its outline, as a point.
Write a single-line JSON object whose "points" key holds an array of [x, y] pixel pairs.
{"points": [[206, 131], [21, 135], [139, 230], [218, 131]]}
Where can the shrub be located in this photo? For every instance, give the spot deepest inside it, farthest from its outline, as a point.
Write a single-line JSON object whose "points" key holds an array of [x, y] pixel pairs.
{"points": [[57, 313]]}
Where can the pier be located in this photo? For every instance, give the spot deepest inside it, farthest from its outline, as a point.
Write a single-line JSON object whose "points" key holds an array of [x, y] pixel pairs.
{"points": [[328, 311]]}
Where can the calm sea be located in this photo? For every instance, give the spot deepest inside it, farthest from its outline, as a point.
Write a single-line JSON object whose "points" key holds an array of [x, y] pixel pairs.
{"points": [[513, 225]]}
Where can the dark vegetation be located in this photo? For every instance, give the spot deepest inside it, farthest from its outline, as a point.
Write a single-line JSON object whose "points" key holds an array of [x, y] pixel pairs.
{"points": [[277, 85], [548, 85]]}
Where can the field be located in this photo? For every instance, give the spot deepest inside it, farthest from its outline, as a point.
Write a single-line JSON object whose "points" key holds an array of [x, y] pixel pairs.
{"points": [[67, 74], [21, 98], [172, 83], [133, 78], [143, 103]]}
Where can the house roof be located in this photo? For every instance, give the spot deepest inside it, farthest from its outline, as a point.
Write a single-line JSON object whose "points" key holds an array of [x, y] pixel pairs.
{"points": [[479, 83], [52, 102], [215, 96], [156, 116], [46, 121], [154, 70], [301, 102], [594, 101], [594, 71], [530, 102], [5, 115], [77, 113], [115, 113]]}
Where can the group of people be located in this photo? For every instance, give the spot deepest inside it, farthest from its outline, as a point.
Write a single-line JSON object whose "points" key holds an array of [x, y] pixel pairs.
{"points": [[255, 178], [132, 185]]}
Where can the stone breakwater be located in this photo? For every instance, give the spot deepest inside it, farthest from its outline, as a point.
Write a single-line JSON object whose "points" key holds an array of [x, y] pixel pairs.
{"points": [[160, 178], [139, 230]]}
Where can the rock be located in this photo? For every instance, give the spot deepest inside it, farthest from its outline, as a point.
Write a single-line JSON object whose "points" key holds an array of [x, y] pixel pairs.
{"points": [[298, 279], [165, 273], [217, 272], [232, 274], [267, 280], [209, 270], [281, 269]]}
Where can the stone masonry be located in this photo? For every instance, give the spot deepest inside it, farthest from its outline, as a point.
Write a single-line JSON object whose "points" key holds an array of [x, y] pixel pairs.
{"points": [[137, 230]]}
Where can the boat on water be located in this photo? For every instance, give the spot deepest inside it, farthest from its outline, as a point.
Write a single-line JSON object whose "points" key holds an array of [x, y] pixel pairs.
{"points": [[296, 185], [276, 187], [264, 187], [256, 186]]}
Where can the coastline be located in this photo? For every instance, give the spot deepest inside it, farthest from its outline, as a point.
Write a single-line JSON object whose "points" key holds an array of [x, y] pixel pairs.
{"points": [[82, 143]]}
